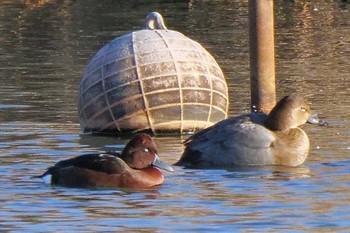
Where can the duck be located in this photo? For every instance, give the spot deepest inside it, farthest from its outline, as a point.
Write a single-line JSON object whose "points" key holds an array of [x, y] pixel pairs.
{"points": [[138, 166], [254, 138]]}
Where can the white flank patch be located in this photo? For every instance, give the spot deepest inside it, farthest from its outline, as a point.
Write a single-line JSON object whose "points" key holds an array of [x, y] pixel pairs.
{"points": [[106, 156], [47, 179]]}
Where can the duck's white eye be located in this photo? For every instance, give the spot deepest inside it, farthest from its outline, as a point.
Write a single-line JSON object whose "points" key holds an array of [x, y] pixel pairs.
{"points": [[146, 150]]}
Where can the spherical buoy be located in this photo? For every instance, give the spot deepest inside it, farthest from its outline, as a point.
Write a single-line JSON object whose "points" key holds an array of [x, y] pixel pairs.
{"points": [[153, 79]]}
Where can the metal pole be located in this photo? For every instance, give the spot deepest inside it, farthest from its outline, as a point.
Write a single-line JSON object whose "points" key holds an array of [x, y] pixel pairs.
{"points": [[262, 55]]}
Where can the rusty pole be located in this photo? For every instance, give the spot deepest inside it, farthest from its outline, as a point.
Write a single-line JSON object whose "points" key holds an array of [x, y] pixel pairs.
{"points": [[262, 55]]}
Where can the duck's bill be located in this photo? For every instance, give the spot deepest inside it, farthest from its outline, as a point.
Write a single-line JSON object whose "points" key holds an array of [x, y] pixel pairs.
{"points": [[161, 165], [314, 119]]}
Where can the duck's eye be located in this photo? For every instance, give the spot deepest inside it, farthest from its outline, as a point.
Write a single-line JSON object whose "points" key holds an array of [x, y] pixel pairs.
{"points": [[303, 109], [146, 150]]}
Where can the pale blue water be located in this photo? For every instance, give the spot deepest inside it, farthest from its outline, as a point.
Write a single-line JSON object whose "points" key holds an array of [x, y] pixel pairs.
{"points": [[44, 49]]}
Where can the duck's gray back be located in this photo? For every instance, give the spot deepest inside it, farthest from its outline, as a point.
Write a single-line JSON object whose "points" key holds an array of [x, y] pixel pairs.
{"points": [[241, 140]]}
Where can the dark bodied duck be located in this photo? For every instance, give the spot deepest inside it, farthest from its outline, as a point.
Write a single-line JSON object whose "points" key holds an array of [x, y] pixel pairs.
{"points": [[136, 167]]}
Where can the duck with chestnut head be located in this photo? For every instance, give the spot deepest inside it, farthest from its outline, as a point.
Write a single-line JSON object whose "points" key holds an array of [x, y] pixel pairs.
{"points": [[138, 166]]}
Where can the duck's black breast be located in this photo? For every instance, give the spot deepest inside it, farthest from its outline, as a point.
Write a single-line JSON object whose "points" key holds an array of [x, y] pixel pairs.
{"points": [[108, 163]]}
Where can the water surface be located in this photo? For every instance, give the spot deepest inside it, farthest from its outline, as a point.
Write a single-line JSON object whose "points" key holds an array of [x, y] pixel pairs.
{"points": [[44, 48]]}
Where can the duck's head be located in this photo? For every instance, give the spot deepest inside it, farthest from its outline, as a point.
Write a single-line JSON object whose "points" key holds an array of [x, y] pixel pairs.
{"points": [[290, 112], [141, 152]]}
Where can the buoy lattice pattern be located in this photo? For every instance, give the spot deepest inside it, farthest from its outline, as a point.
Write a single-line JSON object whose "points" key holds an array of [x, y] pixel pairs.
{"points": [[156, 80]]}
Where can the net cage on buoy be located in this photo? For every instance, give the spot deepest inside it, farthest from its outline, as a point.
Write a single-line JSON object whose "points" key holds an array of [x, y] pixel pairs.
{"points": [[154, 79]]}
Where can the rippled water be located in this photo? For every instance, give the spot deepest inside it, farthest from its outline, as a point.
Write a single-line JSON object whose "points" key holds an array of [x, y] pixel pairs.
{"points": [[44, 48]]}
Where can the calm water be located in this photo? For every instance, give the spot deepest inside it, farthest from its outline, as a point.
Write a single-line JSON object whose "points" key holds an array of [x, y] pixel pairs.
{"points": [[44, 48]]}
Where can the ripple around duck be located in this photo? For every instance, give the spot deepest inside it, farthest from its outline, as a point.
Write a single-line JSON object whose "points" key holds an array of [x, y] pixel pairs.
{"points": [[190, 200]]}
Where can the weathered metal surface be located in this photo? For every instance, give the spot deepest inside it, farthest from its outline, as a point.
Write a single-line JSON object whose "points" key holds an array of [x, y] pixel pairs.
{"points": [[262, 55], [157, 80]]}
